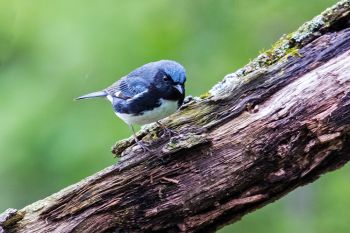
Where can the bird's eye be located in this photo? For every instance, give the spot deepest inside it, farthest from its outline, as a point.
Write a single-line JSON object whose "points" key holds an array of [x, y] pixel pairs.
{"points": [[166, 78]]}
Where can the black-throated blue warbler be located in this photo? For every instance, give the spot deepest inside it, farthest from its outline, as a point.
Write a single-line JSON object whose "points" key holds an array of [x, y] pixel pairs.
{"points": [[147, 94]]}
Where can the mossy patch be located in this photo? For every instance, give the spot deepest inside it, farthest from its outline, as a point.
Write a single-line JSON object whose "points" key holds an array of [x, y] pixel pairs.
{"points": [[205, 95], [184, 141], [288, 45]]}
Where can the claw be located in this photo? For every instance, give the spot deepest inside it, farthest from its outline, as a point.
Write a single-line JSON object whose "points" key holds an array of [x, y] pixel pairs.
{"points": [[138, 142], [166, 131], [143, 146]]}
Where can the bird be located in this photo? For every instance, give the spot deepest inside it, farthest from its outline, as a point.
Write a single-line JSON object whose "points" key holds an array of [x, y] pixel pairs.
{"points": [[147, 94]]}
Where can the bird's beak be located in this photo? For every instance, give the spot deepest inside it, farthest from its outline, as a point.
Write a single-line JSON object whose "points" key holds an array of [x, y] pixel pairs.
{"points": [[179, 88]]}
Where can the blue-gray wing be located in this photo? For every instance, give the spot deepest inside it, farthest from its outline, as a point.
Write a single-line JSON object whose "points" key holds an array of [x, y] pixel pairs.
{"points": [[127, 87]]}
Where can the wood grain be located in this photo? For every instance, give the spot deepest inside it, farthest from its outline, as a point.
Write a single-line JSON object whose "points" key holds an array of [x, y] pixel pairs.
{"points": [[236, 151]]}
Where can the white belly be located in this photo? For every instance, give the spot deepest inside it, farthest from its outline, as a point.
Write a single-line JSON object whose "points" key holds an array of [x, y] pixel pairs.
{"points": [[166, 108]]}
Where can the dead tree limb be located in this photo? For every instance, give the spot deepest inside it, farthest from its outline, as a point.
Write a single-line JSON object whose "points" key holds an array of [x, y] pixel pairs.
{"points": [[276, 124]]}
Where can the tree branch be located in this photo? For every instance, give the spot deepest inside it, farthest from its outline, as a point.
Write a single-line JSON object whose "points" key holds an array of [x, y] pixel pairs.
{"points": [[276, 124]]}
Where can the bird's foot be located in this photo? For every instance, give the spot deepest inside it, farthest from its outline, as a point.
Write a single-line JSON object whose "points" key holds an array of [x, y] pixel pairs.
{"points": [[143, 147], [138, 142], [166, 131], [169, 132]]}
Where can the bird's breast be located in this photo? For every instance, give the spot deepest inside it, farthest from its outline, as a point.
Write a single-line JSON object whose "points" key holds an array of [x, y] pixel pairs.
{"points": [[166, 108]]}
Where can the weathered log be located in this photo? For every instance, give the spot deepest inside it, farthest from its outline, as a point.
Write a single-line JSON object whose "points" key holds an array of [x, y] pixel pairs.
{"points": [[276, 124]]}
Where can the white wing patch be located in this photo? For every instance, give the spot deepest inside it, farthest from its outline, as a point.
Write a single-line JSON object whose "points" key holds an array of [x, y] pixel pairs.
{"points": [[166, 108], [117, 94]]}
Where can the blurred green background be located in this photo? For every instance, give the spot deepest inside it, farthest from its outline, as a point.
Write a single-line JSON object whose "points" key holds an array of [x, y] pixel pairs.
{"points": [[53, 51]]}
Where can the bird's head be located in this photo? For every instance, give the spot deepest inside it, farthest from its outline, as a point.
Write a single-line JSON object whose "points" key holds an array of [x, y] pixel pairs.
{"points": [[170, 79]]}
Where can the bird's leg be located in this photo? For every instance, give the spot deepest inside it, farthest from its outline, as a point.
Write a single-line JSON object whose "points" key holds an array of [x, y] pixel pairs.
{"points": [[138, 142], [166, 131]]}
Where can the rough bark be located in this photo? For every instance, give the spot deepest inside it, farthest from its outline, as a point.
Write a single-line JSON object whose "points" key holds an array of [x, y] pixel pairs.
{"points": [[276, 124]]}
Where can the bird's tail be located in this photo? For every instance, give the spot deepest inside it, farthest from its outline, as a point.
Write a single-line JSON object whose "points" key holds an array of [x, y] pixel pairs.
{"points": [[92, 95]]}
